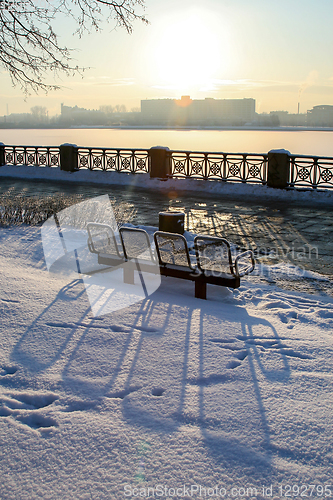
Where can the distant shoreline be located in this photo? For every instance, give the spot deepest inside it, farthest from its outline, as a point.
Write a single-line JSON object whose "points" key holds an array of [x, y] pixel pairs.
{"points": [[180, 128]]}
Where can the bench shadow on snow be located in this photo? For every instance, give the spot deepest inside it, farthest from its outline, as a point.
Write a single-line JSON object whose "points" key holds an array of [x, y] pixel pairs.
{"points": [[44, 341], [194, 383], [252, 446]]}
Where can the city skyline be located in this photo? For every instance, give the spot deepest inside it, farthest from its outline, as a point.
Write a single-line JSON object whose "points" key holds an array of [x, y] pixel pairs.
{"points": [[205, 107], [276, 54]]}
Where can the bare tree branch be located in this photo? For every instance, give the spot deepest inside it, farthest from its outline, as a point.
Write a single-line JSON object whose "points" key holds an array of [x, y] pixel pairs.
{"points": [[29, 47]]}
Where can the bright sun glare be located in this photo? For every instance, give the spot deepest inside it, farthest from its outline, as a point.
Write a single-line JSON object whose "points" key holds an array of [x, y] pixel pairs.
{"points": [[190, 52]]}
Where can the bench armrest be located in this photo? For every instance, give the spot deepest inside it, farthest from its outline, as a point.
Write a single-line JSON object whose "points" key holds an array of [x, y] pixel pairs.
{"points": [[244, 263]]}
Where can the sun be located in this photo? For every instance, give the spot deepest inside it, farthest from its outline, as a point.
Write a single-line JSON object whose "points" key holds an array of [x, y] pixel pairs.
{"points": [[189, 52]]}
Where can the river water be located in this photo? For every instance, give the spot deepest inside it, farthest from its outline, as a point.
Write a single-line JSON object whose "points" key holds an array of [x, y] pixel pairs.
{"points": [[299, 142]]}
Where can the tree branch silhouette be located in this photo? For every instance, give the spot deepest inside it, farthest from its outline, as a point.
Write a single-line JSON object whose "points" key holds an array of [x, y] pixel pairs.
{"points": [[29, 46]]}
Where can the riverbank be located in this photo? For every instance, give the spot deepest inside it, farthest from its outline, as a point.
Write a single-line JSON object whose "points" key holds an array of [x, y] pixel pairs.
{"points": [[173, 187], [169, 127]]}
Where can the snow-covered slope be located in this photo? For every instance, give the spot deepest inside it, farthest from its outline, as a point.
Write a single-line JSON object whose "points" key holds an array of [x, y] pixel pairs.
{"points": [[231, 189], [172, 397]]}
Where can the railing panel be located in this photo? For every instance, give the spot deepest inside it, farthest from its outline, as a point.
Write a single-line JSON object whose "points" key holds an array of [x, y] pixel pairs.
{"points": [[255, 168], [140, 159], [32, 156], [311, 172], [234, 165], [178, 164], [224, 166], [9, 155], [215, 168], [125, 163], [54, 157], [302, 172], [325, 174], [122, 160], [110, 160], [196, 165]]}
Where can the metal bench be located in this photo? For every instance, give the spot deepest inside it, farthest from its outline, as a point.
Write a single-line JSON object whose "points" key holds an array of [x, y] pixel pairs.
{"points": [[210, 264], [214, 260], [132, 252], [102, 241]]}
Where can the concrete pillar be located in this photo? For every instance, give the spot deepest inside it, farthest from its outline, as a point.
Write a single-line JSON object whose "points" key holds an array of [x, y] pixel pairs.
{"points": [[159, 162], [2, 154], [68, 157], [278, 168]]}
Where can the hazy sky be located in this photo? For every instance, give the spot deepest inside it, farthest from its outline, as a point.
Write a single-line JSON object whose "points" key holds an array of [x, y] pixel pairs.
{"points": [[277, 51]]}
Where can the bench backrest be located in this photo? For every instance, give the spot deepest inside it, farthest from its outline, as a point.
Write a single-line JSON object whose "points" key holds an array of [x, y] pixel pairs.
{"points": [[136, 244], [102, 240], [213, 254], [172, 249]]}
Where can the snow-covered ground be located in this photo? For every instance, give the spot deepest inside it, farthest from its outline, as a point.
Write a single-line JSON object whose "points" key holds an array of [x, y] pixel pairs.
{"points": [[171, 397]]}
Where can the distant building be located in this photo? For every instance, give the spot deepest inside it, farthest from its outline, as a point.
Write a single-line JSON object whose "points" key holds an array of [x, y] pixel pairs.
{"points": [[285, 119], [18, 119], [80, 116], [209, 111], [320, 116], [69, 110]]}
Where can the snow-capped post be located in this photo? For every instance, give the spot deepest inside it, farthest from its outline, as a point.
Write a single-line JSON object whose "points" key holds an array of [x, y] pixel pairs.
{"points": [[2, 154], [171, 222], [278, 168], [159, 162], [68, 157]]}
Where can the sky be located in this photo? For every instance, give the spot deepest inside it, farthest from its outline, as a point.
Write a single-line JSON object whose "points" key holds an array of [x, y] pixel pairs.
{"points": [[278, 53]]}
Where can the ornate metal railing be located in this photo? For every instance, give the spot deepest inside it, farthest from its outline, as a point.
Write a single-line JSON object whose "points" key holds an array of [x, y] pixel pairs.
{"points": [[250, 168], [121, 160], [305, 171], [311, 172], [31, 155]]}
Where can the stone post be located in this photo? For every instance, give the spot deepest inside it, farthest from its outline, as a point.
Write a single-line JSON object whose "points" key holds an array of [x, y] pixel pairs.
{"points": [[171, 222], [278, 168], [2, 154], [68, 157], [159, 162]]}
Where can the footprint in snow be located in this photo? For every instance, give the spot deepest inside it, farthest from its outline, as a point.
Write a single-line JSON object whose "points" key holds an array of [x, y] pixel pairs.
{"points": [[233, 364], [37, 421], [123, 393], [24, 408], [273, 345], [130, 328], [157, 391], [8, 370], [80, 406], [35, 401], [238, 352]]}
